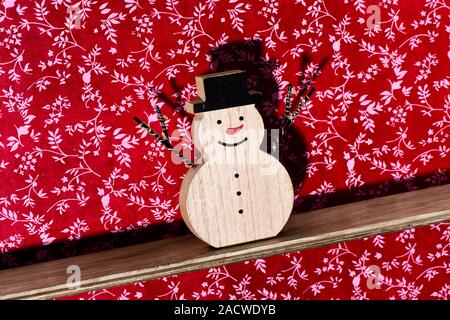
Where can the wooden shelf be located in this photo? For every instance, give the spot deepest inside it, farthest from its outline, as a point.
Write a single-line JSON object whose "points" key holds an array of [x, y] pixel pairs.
{"points": [[187, 253]]}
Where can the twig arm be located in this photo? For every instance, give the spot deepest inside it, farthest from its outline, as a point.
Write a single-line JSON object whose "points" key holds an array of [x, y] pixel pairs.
{"points": [[165, 142]]}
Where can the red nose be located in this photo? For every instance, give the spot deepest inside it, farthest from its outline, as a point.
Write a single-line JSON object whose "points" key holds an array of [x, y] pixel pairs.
{"points": [[234, 130]]}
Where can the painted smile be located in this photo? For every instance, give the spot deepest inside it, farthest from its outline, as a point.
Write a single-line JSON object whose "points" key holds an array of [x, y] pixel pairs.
{"points": [[232, 144], [234, 130]]}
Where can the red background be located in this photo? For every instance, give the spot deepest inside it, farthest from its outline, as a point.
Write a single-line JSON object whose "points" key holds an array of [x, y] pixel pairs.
{"points": [[77, 176]]}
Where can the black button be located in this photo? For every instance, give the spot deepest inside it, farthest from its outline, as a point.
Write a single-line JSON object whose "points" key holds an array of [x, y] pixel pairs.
{"points": [[241, 211], [238, 193], [236, 175]]}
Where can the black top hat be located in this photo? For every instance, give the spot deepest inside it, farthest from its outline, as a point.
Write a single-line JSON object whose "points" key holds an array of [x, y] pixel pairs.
{"points": [[223, 90]]}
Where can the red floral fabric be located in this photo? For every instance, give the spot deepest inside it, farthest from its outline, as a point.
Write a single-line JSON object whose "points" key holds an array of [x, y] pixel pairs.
{"points": [[413, 264], [74, 166]]}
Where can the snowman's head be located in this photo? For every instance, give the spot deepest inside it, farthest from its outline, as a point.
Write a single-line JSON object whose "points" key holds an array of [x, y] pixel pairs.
{"points": [[227, 127], [229, 134]]}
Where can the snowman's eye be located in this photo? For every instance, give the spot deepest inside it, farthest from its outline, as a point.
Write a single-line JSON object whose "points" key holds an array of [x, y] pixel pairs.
{"points": [[241, 118], [219, 121]]}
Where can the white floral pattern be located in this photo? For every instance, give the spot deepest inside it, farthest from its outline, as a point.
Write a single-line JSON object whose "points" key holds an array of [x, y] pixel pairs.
{"points": [[74, 165], [416, 266]]}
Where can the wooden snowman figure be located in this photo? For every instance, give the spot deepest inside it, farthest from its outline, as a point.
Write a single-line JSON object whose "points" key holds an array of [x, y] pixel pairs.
{"points": [[238, 193]]}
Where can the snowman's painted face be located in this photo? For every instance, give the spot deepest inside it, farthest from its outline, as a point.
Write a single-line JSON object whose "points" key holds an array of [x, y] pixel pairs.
{"points": [[227, 132]]}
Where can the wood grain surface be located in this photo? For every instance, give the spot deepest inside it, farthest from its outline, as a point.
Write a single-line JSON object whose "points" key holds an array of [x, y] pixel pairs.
{"points": [[184, 254], [240, 193]]}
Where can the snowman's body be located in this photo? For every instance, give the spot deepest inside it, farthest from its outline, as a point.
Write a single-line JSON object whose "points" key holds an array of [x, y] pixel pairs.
{"points": [[239, 193], [213, 206]]}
